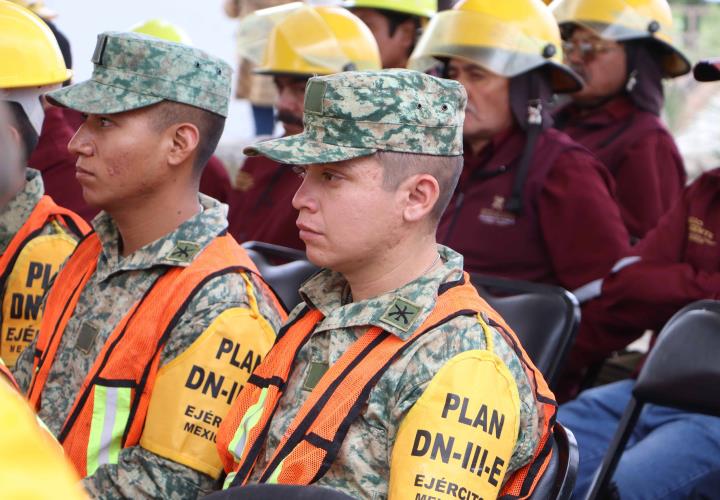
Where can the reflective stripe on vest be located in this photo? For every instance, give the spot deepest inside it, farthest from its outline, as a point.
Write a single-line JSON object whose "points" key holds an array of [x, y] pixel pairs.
{"points": [[127, 365], [111, 410], [313, 439], [27, 267]]}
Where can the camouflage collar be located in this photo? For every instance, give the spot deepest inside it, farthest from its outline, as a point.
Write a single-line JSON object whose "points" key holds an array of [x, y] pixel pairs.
{"points": [[399, 312], [18, 210], [177, 248]]}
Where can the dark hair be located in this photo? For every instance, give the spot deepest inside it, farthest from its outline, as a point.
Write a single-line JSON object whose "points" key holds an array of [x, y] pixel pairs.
{"points": [[209, 124], [27, 132], [395, 19], [446, 169]]}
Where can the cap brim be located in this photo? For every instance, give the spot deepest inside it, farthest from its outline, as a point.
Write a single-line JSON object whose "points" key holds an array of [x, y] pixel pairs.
{"points": [[300, 150], [96, 98]]}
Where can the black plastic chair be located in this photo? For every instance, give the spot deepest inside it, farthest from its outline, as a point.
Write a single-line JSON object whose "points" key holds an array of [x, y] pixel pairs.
{"points": [[284, 269], [558, 481], [545, 318], [681, 372]]}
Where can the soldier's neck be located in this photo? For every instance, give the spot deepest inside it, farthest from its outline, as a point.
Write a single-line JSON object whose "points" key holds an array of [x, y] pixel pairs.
{"points": [[142, 223], [393, 269]]}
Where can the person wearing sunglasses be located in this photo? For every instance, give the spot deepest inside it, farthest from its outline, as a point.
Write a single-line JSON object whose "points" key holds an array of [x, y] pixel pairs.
{"points": [[622, 50]]}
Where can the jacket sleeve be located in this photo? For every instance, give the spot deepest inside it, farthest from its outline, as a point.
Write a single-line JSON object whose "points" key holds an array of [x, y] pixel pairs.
{"points": [[141, 473], [580, 220], [649, 180], [645, 294]]}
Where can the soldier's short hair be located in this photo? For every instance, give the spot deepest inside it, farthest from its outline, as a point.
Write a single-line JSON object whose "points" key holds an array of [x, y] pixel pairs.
{"points": [[209, 125], [399, 166]]}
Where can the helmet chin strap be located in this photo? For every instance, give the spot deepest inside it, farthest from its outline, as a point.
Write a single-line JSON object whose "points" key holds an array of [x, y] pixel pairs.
{"points": [[29, 99]]}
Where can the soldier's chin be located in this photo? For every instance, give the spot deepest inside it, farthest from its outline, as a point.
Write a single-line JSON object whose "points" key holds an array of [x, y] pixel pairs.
{"points": [[318, 256]]}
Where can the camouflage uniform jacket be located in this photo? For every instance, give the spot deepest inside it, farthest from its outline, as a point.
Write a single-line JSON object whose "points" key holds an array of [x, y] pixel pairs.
{"points": [[18, 210], [117, 284], [362, 466]]}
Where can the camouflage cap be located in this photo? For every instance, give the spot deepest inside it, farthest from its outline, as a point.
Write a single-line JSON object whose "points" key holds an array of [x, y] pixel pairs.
{"points": [[133, 71], [353, 114]]}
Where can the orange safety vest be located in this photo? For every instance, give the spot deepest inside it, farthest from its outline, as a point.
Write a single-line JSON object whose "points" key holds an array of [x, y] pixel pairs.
{"points": [[122, 377], [313, 439], [27, 266]]}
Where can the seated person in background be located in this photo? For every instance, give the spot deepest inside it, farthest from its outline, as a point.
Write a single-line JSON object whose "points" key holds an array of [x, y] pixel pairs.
{"points": [[33, 466], [394, 377], [305, 41], [395, 24], [531, 203], [677, 263], [36, 235], [156, 321], [622, 49]]}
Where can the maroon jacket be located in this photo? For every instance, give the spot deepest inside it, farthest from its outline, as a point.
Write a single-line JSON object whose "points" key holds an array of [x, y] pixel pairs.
{"points": [[261, 203], [639, 152], [680, 263], [57, 165], [570, 232]]}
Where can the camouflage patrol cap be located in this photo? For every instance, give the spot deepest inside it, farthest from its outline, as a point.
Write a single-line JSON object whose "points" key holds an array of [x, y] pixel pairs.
{"points": [[353, 114], [133, 71]]}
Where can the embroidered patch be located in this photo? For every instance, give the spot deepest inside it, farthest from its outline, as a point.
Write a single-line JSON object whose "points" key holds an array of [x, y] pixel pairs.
{"points": [[401, 314], [86, 337], [315, 373], [184, 251]]}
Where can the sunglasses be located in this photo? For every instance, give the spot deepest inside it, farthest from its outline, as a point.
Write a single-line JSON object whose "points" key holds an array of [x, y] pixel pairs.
{"points": [[588, 49]]}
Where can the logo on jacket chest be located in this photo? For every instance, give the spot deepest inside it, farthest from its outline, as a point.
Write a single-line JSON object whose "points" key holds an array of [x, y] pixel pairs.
{"points": [[698, 234], [495, 214]]}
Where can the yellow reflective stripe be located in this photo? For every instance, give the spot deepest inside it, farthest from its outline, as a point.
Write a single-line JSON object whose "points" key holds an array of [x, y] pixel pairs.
{"points": [[229, 480], [249, 421], [273, 479], [111, 410]]}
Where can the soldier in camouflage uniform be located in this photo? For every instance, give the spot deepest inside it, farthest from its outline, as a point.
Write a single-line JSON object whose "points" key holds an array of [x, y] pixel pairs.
{"points": [[155, 111], [380, 155], [36, 235]]}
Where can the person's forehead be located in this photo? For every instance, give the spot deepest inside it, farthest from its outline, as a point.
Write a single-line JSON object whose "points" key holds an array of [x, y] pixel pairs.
{"points": [[585, 34], [471, 67]]}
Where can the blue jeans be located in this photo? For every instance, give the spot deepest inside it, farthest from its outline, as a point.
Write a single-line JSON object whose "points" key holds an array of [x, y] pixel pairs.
{"points": [[669, 452]]}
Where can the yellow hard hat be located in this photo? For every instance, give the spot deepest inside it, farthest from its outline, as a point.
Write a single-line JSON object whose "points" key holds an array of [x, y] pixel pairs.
{"points": [[159, 28], [421, 8], [29, 52], [299, 39], [624, 20], [508, 37]]}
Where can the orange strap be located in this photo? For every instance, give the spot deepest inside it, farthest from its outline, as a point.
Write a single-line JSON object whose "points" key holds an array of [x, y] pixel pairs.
{"points": [[338, 397], [44, 211], [59, 307]]}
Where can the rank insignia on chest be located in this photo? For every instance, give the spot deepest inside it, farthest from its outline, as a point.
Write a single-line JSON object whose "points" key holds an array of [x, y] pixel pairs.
{"points": [[315, 372], [86, 337], [184, 251], [401, 314]]}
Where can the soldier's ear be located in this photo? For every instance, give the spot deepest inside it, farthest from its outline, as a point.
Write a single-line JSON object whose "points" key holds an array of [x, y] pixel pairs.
{"points": [[421, 193], [184, 139]]}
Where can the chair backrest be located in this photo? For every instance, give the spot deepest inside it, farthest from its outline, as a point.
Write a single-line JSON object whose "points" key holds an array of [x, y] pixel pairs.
{"points": [[285, 276], [558, 480], [275, 491], [681, 371], [545, 318]]}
